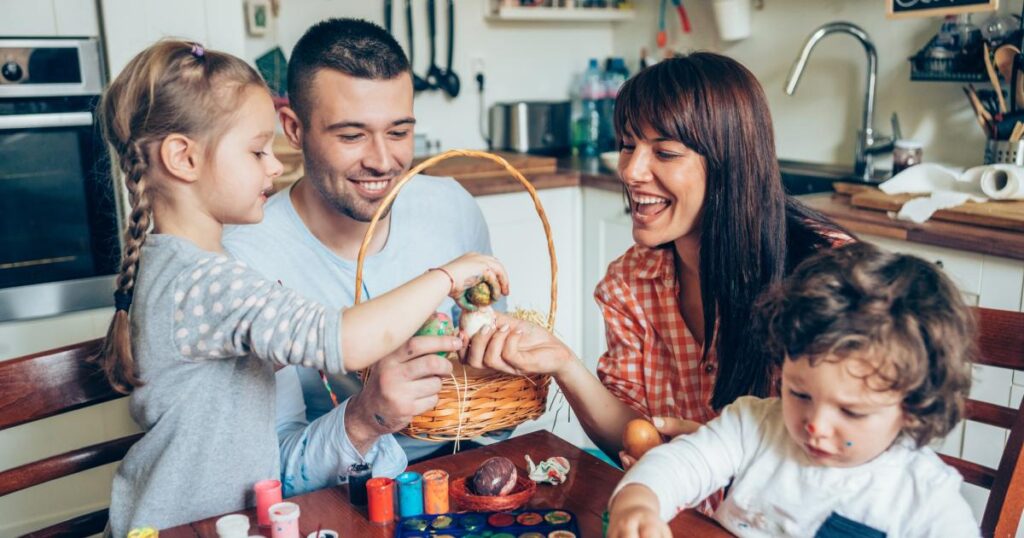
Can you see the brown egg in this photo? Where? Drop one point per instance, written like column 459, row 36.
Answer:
column 639, row 437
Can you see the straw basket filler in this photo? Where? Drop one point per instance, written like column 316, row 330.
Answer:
column 473, row 402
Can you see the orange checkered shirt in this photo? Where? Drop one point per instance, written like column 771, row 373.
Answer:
column 653, row 363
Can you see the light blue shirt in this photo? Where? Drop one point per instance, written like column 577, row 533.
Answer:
column 433, row 221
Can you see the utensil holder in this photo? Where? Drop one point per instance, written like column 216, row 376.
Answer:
column 1004, row 151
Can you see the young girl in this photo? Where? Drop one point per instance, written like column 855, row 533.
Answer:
column 192, row 130
column 877, row 351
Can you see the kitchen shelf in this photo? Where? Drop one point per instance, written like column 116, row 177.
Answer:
column 559, row 14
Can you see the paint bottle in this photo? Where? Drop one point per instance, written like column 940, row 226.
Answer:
column 380, row 492
column 268, row 493
column 410, row 494
column 284, row 520
column 357, row 476
column 435, row 492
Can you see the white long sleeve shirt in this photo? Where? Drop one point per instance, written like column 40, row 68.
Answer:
column 777, row 490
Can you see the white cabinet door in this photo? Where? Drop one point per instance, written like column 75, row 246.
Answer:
column 23, row 18
column 518, row 240
column 132, row 25
column 607, row 234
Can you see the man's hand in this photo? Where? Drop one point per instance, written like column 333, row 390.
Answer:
column 669, row 428
column 399, row 387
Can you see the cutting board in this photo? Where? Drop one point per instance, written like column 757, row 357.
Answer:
column 476, row 168
column 1003, row 214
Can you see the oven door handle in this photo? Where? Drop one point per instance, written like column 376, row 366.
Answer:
column 44, row 121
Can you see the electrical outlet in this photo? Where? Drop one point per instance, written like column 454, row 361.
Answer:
column 476, row 64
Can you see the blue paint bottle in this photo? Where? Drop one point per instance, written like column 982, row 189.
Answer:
column 410, row 494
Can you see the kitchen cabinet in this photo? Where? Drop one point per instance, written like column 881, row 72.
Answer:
column 990, row 282
column 48, row 18
column 517, row 239
column 132, row 25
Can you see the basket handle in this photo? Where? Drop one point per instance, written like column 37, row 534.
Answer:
column 434, row 160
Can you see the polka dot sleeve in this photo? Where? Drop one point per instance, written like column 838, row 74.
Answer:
column 224, row 309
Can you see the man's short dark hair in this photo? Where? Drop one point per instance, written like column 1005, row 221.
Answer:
column 354, row 47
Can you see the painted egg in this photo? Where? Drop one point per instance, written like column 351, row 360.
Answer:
column 496, row 476
column 639, row 437
column 438, row 324
column 472, row 322
column 480, row 295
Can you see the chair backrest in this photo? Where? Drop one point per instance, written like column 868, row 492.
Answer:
column 1001, row 343
column 49, row 383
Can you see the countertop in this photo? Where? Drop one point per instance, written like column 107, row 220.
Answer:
column 992, row 241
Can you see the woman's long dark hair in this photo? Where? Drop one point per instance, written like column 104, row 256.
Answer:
column 752, row 233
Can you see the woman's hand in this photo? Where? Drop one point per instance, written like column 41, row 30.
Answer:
column 469, row 270
column 634, row 514
column 669, row 428
column 517, row 347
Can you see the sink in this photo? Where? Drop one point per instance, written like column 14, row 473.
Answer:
column 799, row 177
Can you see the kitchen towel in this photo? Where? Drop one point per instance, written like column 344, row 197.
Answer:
column 947, row 187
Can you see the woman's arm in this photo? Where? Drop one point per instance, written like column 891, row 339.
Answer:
column 519, row 347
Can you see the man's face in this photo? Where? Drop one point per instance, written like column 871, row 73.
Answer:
column 359, row 139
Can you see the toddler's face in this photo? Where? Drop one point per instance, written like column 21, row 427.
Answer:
column 834, row 414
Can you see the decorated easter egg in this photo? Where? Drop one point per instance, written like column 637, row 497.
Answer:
column 438, row 324
column 496, row 476
column 480, row 295
column 639, row 437
column 472, row 322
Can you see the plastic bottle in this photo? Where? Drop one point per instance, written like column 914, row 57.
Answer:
column 615, row 75
column 587, row 125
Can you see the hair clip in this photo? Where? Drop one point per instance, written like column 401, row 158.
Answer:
column 197, row 50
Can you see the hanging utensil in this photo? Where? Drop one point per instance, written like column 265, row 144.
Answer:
column 993, row 78
column 434, row 72
column 684, row 20
column 418, row 84
column 449, row 81
column 662, row 35
column 980, row 114
column 387, row 15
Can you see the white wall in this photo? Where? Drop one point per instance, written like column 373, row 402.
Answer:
column 521, row 60
column 820, row 121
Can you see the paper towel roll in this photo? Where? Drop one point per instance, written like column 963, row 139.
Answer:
column 1003, row 182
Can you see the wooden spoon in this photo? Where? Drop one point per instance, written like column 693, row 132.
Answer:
column 1003, row 58
column 994, row 79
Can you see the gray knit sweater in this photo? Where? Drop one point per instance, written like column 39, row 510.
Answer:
column 207, row 332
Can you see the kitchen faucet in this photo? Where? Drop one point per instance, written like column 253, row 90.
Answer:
column 869, row 142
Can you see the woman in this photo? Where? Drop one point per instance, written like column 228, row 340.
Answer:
column 713, row 228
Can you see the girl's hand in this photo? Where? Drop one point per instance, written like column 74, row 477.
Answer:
column 517, row 347
column 637, row 522
column 469, row 270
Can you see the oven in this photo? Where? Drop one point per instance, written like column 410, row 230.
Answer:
column 59, row 247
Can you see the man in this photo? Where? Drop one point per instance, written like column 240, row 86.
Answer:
column 351, row 113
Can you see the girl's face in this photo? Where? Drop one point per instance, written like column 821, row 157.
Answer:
column 834, row 415
column 244, row 166
column 666, row 182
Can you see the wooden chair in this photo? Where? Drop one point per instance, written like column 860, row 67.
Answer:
column 46, row 384
column 1001, row 342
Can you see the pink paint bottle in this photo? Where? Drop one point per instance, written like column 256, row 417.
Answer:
column 284, row 520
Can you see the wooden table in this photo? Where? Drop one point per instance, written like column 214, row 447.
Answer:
column 586, row 493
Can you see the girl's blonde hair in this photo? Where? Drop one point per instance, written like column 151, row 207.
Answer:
column 171, row 87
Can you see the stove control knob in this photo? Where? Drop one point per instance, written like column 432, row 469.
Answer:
column 11, row 71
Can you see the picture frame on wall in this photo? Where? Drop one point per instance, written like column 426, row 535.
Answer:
column 898, row 9
column 257, row 17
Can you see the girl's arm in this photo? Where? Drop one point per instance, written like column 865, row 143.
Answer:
column 371, row 330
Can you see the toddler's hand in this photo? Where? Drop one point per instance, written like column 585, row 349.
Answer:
column 637, row 522
column 469, row 270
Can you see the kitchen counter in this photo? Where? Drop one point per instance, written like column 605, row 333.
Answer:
column 569, row 173
column 964, row 237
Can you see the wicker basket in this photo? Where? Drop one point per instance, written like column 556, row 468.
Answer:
column 466, row 500
column 473, row 402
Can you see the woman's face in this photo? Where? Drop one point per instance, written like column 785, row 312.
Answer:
column 667, row 182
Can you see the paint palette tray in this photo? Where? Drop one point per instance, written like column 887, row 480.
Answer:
column 527, row 523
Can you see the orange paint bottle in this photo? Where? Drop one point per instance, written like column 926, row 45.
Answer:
column 435, row 491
